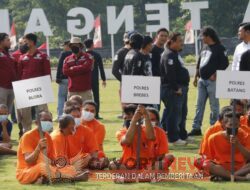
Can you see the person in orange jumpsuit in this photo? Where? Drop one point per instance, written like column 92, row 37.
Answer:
column 160, row 145
column 81, row 142
column 88, row 120
column 219, row 151
column 35, row 167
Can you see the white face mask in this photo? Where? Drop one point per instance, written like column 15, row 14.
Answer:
column 153, row 123
column 77, row 121
column 3, row 118
column 87, row 116
column 47, row 126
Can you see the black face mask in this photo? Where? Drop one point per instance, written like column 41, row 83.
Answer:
column 230, row 131
column 24, row 48
column 75, row 49
column 6, row 49
column 127, row 123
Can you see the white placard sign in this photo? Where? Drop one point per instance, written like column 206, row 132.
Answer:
column 233, row 84
column 33, row 92
column 140, row 89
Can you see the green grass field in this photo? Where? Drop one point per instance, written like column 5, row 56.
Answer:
column 110, row 108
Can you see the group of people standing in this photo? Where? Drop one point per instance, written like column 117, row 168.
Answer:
column 161, row 57
column 77, row 145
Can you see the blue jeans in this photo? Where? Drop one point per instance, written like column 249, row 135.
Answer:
column 62, row 96
column 175, row 113
column 206, row 90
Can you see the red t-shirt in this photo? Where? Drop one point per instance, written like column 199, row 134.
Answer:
column 79, row 72
column 8, row 69
column 36, row 65
column 17, row 54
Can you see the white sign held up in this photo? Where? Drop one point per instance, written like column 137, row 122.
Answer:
column 33, row 92
column 140, row 89
column 233, row 84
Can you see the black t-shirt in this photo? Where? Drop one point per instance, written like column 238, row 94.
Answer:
column 156, row 59
column 118, row 63
column 136, row 63
column 98, row 65
column 245, row 61
column 212, row 58
column 173, row 72
column 147, row 65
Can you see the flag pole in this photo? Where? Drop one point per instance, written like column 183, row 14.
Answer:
column 112, row 47
column 196, row 44
column 47, row 46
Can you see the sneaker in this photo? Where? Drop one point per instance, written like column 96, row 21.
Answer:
column 195, row 132
column 180, row 142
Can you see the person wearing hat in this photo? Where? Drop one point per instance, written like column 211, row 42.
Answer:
column 134, row 63
column 244, row 35
column 61, row 79
column 78, row 68
column 98, row 66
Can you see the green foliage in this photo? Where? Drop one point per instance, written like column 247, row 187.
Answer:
column 190, row 59
column 53, row 61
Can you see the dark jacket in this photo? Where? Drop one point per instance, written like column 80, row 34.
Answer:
column 156, row 59
column 136, row 63
column 98, row 65
column 59, row 72
column 212, row 58
column 173, row 72
column 245, row 61
column 118, row 63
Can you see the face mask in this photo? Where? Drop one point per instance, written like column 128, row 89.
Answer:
column 127, row 123
column 87, row 116
column 47, row 126
column 24, row 48
column 6, row 49
column 77, row 121
column 75, row 49
column 230, row 131
column 3, row 118
column 153, row 123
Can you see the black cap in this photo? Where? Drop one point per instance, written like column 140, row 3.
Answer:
column 136, row 41
column 146, row 40
column 243, row 24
